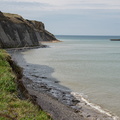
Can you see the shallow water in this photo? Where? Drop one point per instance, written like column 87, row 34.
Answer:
column 85, row 64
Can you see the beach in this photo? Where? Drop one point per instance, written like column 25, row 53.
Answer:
column 59, row 101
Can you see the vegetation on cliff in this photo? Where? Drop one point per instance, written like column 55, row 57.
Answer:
column 11, row 107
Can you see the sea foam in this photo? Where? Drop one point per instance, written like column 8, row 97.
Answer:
column 80, row 97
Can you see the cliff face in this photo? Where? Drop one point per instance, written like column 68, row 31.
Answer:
column 18, row 32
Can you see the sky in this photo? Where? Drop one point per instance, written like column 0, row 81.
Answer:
column 70, row 17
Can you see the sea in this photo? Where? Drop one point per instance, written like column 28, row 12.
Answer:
column 88, row 65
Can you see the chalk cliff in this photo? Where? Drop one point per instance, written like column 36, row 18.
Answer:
column 15, row 31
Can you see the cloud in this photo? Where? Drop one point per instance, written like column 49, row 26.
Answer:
column 26, row 4
column 71, row 4
column 75, row 16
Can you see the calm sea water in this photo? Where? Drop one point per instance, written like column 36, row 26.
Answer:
column 85, row 64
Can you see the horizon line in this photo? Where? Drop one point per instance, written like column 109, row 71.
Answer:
column 83, row 35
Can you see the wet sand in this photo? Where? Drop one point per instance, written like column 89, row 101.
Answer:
column 60, row 102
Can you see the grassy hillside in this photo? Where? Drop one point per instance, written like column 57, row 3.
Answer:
column 11, row 107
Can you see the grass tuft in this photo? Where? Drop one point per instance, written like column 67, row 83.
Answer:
column 11, row 107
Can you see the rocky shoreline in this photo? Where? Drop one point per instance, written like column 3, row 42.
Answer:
column 57, row 100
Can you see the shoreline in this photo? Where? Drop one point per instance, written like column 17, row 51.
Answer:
column 26, row 48
column 38, row 83
column 52, row 41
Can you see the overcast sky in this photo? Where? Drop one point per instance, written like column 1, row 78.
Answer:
column 70, row 17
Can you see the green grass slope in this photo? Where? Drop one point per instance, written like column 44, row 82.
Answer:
column 11, row 107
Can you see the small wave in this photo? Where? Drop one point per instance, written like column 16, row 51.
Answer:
column 93, row 106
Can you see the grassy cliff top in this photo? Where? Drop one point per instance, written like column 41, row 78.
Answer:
column 14, row 17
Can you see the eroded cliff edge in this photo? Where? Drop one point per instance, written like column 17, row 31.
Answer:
column 15, row 31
